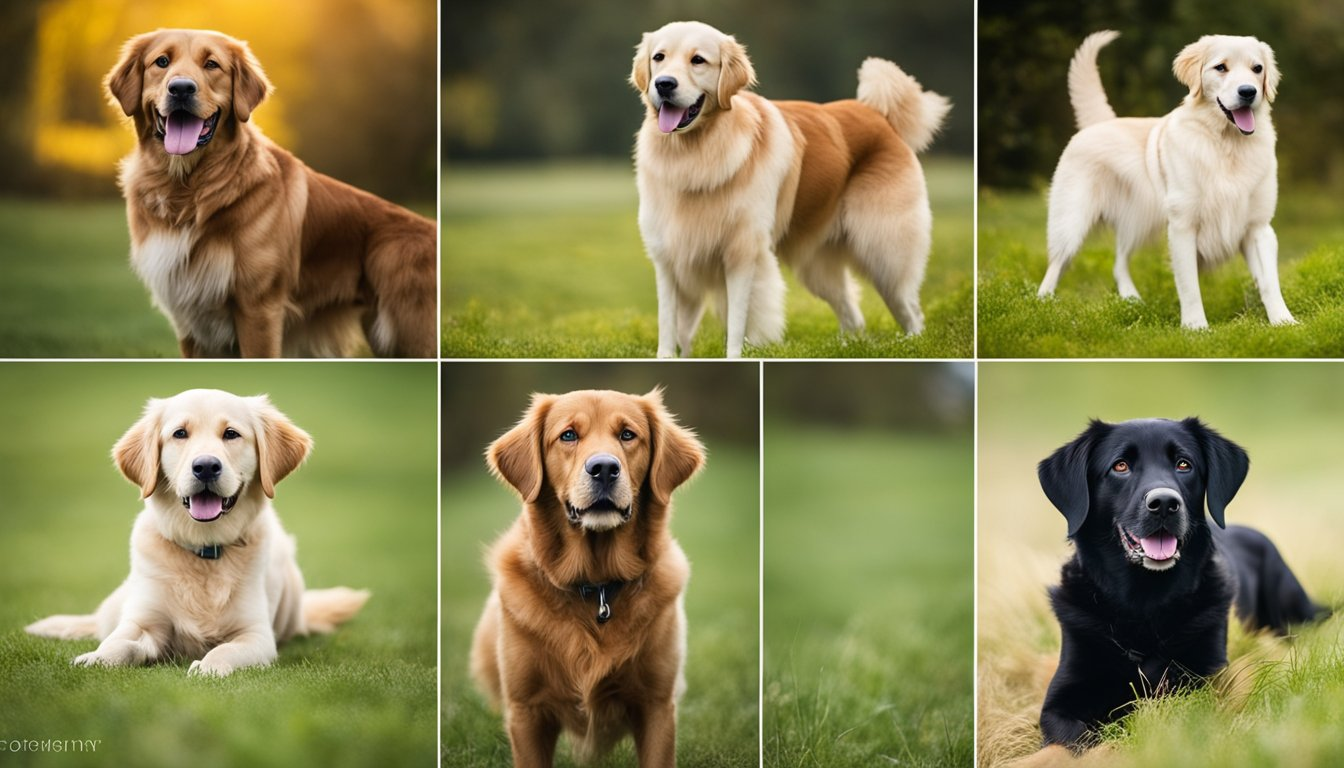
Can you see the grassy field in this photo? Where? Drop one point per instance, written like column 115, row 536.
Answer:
column 716, row 521
column 868, row 598
column 363, row 512
column 1280, row 702
column 66, row 285
column 547, row 262
column 1087, row 318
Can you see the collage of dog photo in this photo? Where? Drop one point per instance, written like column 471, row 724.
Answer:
column 475, row 385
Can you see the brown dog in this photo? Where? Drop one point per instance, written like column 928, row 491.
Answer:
column 585, row 629
column 247, row 250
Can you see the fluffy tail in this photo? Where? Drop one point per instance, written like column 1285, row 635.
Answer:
column 65, row 627
column 324, row 609
column 1085, row 89
column 915, row 113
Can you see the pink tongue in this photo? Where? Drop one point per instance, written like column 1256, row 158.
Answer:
column 1159, row 547
column 207, row 506
column 181, row 131
column 1245, row 119
column 669, row 117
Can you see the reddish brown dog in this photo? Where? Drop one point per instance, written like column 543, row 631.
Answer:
column 248, row 251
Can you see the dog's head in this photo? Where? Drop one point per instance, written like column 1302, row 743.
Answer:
column 205, row 459
column 182, row 86
column 1137, row 490
column 596, row 457
column 1236, row 76
column 686, row 71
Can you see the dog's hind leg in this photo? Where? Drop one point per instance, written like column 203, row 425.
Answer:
column 823, row 272
column 689, row 311
column 892, row 249
column 1071, row 218
column 1261, row 248
column 1126, row 242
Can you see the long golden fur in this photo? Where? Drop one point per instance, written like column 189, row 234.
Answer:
column 596, row 471
column 213, row 574
column 731, row 183
column 247, row 250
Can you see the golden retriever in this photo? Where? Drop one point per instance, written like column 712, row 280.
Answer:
column 213, row 575
column 1205, row 172
column 585, row 630
column 729, row 182
column 247, row 250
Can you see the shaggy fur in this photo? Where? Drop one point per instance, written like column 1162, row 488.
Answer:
column 221, row 455
column 540, row 649
column 247, row 250
column 731, row 183
column 1206, row 172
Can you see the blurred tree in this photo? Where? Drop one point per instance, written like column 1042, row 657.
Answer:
column 902, row 396
column 18, row 38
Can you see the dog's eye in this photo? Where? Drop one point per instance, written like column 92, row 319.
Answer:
column 1257, row 69
column 1183, row 466
column 1219, row 67
column 627, row 435
column 569, row 436
column 211, row 64
column 179, row 434
column 658, row 57
column 161, row 62
column 697, row 59
column 231, row 434
column 1121, row 467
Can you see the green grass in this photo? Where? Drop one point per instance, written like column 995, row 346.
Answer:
column 362, row 510
column 68, row 289
column 547, row 262
column 868, row 598
column 1087, row 318
column 716, row 522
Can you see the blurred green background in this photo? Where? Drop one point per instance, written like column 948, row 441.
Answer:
column 362, row 510
column 354, row 98
column 1287, row 415
column 869, row 514
column 541, row 249
column 716, row 519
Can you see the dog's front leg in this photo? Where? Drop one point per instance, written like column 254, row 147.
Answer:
column 133, row 643
column 259, row 329
column 532, row 736
column 1181, row 241
column 667, row 309
column 741, row 277
column 254, row 647
column 655, row 732
column 1261, row 248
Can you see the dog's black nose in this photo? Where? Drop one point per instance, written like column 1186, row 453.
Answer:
column 1246, row 92
column 665, row 84
column 1162, row 501
column 206, row 468
column 603, row 467
column 181, row 86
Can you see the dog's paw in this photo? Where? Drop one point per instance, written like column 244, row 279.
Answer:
column 209, row 668
column 1285, row 320
column 95, row 659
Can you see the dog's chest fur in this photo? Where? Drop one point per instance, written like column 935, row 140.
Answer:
column 190, row 281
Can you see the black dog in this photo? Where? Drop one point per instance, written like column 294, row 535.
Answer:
column 1143, row 603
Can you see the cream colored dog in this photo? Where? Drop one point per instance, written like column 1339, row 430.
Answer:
column 213, row 575
column 1206, row 171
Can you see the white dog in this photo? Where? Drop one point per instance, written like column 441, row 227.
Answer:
column 1206, row 171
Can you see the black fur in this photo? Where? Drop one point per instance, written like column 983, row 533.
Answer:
column 1126, row 490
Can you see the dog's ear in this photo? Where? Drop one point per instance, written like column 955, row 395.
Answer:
column 735, row 72
column 1271, row 73
column 250, row 85
column 677, row 453
column 1063, row 476
column 515, row 457
column 281, row 446
column 126, row 82
column 137, row 452
column 1189, row 66
column 639, row 71
column 1227, row 467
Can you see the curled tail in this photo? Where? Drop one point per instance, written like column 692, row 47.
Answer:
column 324, row 609
column 915, row 113
column 1086, row 92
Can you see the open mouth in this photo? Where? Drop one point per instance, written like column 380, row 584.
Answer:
column 1242, row 117
column 182, row 132
column 1156, row 552
column 205, row 506
column 601, row 506
column 673, row 118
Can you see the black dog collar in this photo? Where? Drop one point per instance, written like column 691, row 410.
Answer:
column 605, row 592
column 209, row 551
